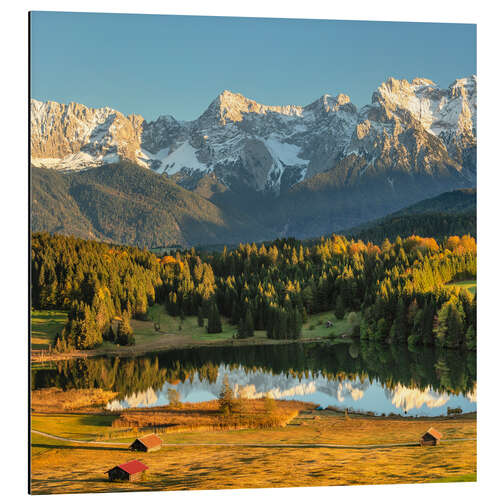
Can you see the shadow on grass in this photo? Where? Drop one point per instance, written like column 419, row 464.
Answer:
column 97, row 419
column 151, row 482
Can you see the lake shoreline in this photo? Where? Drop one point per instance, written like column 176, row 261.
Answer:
column 94, row 401
column 141, row 350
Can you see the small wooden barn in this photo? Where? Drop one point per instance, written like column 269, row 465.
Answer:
column 151, row 442
column 130, row 471
column 431, row 437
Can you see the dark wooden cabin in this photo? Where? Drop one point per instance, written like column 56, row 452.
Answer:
column 431, row 437
column 151, row 442
column 130, row 471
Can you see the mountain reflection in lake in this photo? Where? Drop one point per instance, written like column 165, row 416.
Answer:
column 381, row 379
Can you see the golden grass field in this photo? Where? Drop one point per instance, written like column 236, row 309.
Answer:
column 56, row 400
column 63, row 467
column 251, row 413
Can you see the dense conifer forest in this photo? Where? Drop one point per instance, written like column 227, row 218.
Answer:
column 398, row 288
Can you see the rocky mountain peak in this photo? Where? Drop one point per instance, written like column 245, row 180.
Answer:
column 343, row 99
column 80, row 135
column 442, row 112
column 233, row 107
column 422, row 82
column 399, row 93
column 464, row 87
column 329, row 104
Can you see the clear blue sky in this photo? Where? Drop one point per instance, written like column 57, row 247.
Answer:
column 152, row 65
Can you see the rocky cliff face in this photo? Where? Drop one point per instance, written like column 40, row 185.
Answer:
column 446, row 114
column 72, row 136
column 410, row 130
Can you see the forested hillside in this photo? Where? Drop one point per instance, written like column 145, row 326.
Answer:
column 127, row 204
column 398, row 288
column 452, row 213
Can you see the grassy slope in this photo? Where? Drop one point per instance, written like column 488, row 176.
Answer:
column 470, row 286
column 46, row 324
column 318, row 322
column 63, row 467
column 144, row 330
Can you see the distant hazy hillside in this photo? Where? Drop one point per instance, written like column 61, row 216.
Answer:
column 127, row 204
column 452, row 213
column 453, row 202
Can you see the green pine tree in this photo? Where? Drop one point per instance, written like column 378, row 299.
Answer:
column 454, row 325
column 339, row 307
column 470, row 338
column 201, row 320
column 249, row 326
column 125, row 334
column 214, row 324
column 227, row 401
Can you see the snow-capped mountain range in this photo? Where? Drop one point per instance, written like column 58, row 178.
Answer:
column 410, row 128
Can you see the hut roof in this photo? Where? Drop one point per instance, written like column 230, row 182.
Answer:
column 434, row 433
column 150, row 441
column 131, row 467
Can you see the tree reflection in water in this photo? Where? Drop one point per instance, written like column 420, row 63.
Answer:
column 408, row 377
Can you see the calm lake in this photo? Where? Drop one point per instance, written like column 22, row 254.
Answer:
column 381, row 379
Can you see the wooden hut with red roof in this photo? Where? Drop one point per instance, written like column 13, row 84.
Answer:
column 151, row 442
column 130, row 471
column 431, row 437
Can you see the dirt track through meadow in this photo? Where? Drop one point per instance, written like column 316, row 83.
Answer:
column 257, row 445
